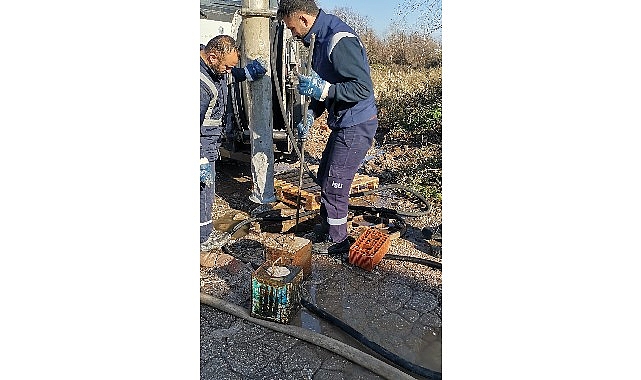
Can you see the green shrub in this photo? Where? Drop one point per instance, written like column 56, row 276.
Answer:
column 409, row 103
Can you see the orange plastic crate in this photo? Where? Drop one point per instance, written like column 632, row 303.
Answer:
column 369, row 248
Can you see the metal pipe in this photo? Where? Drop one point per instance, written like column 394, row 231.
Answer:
column 305, row 107
column 255, row 43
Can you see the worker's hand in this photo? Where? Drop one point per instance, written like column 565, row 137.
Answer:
column 303, row 130
column 206, row 175
column 313, row 86
column 254, row 70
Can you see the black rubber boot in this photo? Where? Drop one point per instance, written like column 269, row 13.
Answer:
column 334, row 249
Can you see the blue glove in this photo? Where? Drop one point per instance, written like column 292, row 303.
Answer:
column 206, row 175
column 254, row 70
column 313, row 86
column 317, row 80
column 303, row 130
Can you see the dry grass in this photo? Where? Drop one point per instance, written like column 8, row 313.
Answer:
column 396, row 81
column 409, row 103
column 408, row 148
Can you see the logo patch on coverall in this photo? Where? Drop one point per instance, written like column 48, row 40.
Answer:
column 337, row 185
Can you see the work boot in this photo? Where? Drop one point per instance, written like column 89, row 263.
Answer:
column 215, row 241
column 333, row 249
column 262, row 208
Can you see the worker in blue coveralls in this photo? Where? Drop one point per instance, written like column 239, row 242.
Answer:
column 340, row 83
column 218, row 59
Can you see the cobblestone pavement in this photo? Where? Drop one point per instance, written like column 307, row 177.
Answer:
column 234, row 349
column 397, row 305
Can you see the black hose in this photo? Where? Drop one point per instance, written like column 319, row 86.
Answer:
column 392, row 211
column 226, row 250
column 417, row 260
column 422, row 371
column 275, row 76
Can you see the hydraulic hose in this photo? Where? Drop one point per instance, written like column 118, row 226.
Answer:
column 350, row 353
column 392, row 211
column 275, row 76
column 417, row 260
column 422, row 371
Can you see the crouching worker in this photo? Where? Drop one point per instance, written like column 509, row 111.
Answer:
column 218, row 59
column 340, row 83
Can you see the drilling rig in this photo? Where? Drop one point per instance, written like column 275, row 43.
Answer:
column 261, row 114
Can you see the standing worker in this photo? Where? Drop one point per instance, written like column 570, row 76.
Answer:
column 217, row 60
column 340, row 83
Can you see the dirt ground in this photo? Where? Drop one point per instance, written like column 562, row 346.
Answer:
column 405, row 284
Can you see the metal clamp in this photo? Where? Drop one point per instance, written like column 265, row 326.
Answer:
column 248, row 12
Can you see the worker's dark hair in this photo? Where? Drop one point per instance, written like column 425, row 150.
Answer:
column 221, row 45
column 289, row 7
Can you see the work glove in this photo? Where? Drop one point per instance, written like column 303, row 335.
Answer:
column 313, row 86
column 206, row 175
column 255, row 70
column 303, row 130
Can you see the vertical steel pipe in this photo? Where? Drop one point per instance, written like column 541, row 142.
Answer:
column 255, row 43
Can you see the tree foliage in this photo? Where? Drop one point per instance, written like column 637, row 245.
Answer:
column 401, row 46
column 360, row 23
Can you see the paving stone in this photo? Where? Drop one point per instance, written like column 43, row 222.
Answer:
column 278, row 342
column 356, row 372
column 218, row 335
column 422, row 302
column 334, row 363
column 300, row 357
column 324, row 374
column 253, row 359
column 393, row 295
column 301, row 374
column 431, row 320
column 217, row 369
column 212, row 318
column 249, row 332
column 408, row 314
column 395, row 324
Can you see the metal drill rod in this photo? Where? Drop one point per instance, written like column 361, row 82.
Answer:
column 305, row 106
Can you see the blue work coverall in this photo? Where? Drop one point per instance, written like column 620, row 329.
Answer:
column 340, row 59
column 213, row 97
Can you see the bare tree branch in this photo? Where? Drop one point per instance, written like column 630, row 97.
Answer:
column 428, row 20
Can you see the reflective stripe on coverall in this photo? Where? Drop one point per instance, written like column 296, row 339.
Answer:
column 210, row 132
